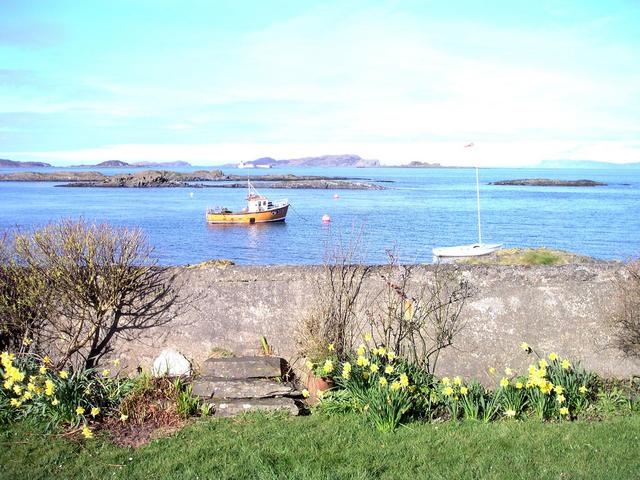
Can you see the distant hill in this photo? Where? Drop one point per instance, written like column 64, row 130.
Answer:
column 121, row 164
column 585, row 164
column 322, row 161
column 4, row 163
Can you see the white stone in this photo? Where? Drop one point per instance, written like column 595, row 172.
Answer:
column 171, row 363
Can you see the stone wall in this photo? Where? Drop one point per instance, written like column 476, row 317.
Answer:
column 563, row 309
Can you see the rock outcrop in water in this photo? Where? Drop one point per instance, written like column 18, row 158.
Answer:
column 169, row 179
column 546, row 182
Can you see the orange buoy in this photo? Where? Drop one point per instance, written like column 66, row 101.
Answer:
column 326, row 218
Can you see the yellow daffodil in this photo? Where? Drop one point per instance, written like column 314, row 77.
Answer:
column 17, row 389
column 106, row 372
column 42, row 370
column 383, row 381
column 396, row 386
column 445, row 381
column 31, row 387
column 362, row 361
column 63, row 374
column 564, row 411
column 525, row 346
column 492, row 370
column 361, row 350
column 331, row 347
column 464, row 390
column 560, row 398
column 309, row 365
column 510, row 413
column 49, row 388
column 391, row 356
column 55, row 402
column 504, row 382
column 305, row 393
column 123, row 417
column 26, row 341
column 558, row 389
column 46, row 360
column 565, row 364
column 508, row 372
column 542, row 363
column 553, row 356
column 86, row 432
column 95, row 411
column 116, row 362
column 346, row 371
column 27, row 395
column 382, row 351
column 404, row 380
column 583, row 389
column 374, row 351
column 519, row 385
column 388, row 369
column 15, row 402
column 8, row 384
column 457, row 381
column 368, row 337
column 447, row 391
column 374, row 368
column 80, row 410
column 327, row 368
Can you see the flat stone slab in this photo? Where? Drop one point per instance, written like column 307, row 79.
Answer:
column 243, row 367
column 229, row 408
column 239, row 388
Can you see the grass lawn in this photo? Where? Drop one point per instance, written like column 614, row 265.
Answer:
column 266, row 447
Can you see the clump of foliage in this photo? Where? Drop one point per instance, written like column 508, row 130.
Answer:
column 34, row 390
column 76, row 287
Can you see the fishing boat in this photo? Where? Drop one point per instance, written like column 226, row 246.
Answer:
column 259, row 209
column 475, row 249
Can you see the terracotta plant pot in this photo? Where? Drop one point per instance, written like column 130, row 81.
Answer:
column 316, row 385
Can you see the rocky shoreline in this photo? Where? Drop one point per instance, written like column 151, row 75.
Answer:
column 169, row 179
column 548, row 182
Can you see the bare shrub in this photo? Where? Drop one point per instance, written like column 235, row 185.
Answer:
column 419, row 317
column 24, row 300
column 626, row 320
column 336, row 318
column 104, row 284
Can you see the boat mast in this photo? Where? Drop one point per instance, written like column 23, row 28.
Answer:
column 478, row 203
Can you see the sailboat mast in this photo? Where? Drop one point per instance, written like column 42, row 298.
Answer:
column 478, row 203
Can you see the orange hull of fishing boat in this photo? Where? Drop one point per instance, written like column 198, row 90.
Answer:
column 272, row 215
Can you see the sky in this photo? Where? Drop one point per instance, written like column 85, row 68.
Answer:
column 219, row 81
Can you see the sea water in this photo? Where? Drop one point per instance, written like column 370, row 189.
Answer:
column 419, row 209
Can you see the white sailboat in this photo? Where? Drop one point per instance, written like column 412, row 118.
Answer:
column 474, row 249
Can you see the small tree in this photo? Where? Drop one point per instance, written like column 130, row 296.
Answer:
column 626, row 320
column 104, row 284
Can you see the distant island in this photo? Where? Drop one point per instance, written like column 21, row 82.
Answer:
column 346, row 160
column 416, row 164
column 547, row 182
column 170, row 179
column 4, row 163
column 121, row 164
column 585, row 164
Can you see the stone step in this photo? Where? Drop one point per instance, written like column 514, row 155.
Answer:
column 229, row 408
column 208, row 387
column 243, row 367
